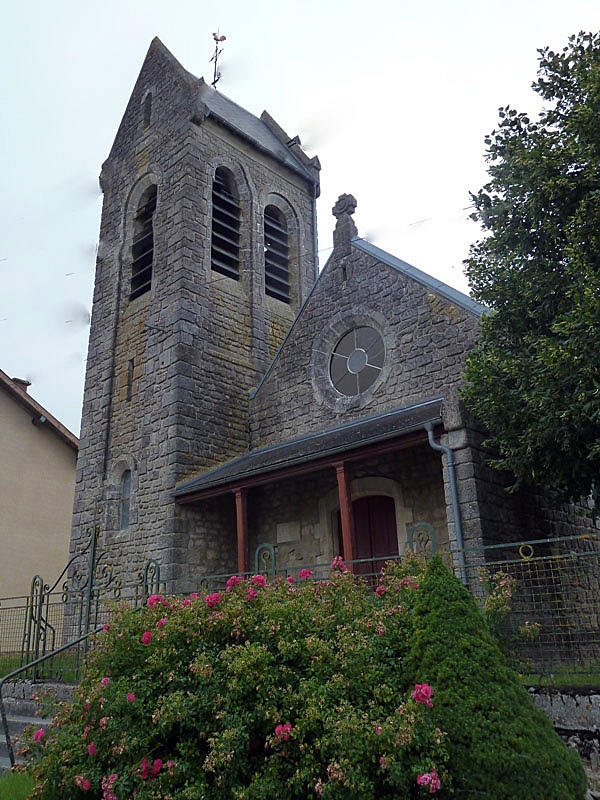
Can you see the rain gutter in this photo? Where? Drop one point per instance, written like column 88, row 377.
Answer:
column 442, row 448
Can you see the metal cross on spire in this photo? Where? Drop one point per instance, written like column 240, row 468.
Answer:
column 218, row 50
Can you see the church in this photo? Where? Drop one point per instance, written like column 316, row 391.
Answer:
column 243, row 410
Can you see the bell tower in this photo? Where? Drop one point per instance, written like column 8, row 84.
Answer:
column 207, row 251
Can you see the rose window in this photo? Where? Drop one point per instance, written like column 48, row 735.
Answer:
column 356, row 361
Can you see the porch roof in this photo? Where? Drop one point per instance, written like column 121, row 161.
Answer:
column 313, row 451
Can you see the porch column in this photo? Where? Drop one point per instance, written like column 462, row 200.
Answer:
column 346, row 513
column 242, row 530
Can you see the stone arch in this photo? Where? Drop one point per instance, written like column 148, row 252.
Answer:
column 292, row 221
column 245, row 196
column 125, row 463
column 134, row 199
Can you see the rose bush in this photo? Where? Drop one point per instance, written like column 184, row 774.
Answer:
column 296, row 690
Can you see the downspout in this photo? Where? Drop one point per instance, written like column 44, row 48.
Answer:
column 442, row 448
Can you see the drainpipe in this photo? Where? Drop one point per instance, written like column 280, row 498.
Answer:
column 442, row 448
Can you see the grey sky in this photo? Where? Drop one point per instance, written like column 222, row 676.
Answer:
column 394, row 97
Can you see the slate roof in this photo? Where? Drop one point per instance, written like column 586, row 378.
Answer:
column 31, row 406
column 245, row 124
column 441, row 288
column 314, row 446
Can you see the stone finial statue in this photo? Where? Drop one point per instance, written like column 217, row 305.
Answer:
column 345, row 229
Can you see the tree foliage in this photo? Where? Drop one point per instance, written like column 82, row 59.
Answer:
column 534, row 379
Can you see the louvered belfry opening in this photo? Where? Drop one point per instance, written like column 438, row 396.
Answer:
column 225, row 244
column 142, row 249
column 277, row 273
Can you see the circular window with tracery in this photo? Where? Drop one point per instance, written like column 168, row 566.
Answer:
column 356, row 361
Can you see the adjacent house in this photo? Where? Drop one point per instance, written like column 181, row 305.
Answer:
column 37, row 483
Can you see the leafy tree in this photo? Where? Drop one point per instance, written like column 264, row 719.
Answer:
column 534, row 379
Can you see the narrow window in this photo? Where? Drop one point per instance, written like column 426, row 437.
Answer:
column 130, row 367
column 147, row 110
column 225, row 244
column 142, row 249
column 277, row 273
column 125, row 500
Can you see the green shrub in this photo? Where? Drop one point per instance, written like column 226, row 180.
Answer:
column 301, row 691
column 500, row 745
column 276, row 691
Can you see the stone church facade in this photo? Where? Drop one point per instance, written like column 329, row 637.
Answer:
column 239, row 404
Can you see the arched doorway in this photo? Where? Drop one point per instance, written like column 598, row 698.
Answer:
column 376, row 536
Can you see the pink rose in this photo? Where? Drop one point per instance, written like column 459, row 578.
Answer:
column 409, row 581
column 162, row 621
column 378, row 730
column 233, row 581
column 154, row 599
column 156, row 766
column 383, row 762
column 380, row 590
column 423, row 693
column 130, row 697
column 82, row 783
column 103, row 723
column 304, row 574
column 212, row 600
column 194, row 596
column 282, row 732
column 92, row 749
column 186, row 603
column 259, row 580
column 290, row 579
column 106, row 626
column 338, row 563
column 38, row 736
column 252, row 593
column 146, row 637
column 430, row 779
column 105, row 681
column 144, row 769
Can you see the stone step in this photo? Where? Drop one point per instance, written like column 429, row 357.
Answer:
column 21, row 707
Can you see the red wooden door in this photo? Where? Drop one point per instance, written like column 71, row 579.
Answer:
column 376, row 535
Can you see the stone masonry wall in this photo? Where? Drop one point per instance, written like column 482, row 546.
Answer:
column 194, row 343
column 426, row 340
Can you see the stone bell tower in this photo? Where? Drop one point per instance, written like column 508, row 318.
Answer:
column 207, row 251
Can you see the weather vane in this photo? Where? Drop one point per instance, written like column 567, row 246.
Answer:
column 218, row 50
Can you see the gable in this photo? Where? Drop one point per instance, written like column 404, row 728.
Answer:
column 166, row 98
column 161, row 101
column 426, row 329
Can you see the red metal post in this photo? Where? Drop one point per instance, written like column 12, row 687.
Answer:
column 346, row 514
column 242, row 530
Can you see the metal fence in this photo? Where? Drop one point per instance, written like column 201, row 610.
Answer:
column 552, row 627
column 35, row 625
column 544, row 596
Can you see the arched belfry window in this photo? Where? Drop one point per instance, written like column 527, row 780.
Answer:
column 225, row 243
column 142, row 248
column 277, row 271
column 124, row 500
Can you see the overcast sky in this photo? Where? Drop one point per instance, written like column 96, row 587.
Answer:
column 395, row 98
